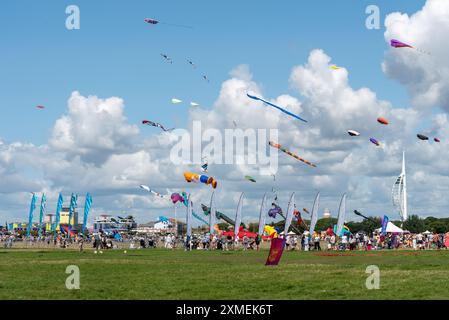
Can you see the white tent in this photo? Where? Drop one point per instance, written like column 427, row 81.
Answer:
column 391, row 228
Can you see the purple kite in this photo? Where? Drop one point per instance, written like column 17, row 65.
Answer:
column 374, row 141
column 398, row 44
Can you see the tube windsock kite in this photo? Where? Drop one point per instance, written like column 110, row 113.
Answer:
column 193, row 177
column 314, row 217
column 238, row 217
column 278, row 146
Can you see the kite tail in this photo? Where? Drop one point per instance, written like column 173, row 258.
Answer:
column 201, row 219
column 176, row 25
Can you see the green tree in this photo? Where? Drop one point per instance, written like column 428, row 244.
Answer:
column 414, row 224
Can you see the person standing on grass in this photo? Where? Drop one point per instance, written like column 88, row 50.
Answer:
column 316, row 241
column 332, row 241
column 257, row 241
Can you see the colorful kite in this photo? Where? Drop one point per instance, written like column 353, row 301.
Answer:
column 275, row 210
column 40, row 107
column 334, row 67
column 193, row 177
column 270, row 231
column 249, row 178
column 277, row 107
column 374, row 141
column 353, row 133
column 147, row 188
column 398, row 44
column 382, row 120
column 278, row 146
column 155, row 124
column 436, row 140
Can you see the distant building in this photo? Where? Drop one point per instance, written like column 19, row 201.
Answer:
column 156, row 227
column 110, row 224
column 64, row 217
column 326, row 214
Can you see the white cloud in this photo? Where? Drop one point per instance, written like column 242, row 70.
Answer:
column 425, row 75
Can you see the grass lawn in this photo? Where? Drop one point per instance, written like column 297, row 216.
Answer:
column 164, row 274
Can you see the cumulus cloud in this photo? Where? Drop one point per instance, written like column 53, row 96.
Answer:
column 426, row 75
column 94, row 148
column 93, row 129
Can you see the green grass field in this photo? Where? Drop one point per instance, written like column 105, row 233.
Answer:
column 164, row 274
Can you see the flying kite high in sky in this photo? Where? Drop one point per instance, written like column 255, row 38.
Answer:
column 154, row 22
column 353, row 133
column 374, row 141
column 422, row 137
column 436, row 140
column 175, row 101
column 155, row 124
column 278, row 146
column 191, row 63
column 382, row 120
column 249, row 178
column 193, row 177
column 150, row 21
column 167, row 58
column 144, row 187
column 205, row 78
column 399, row 44
column 277, row 107
column 40, row 107
column 334, row 67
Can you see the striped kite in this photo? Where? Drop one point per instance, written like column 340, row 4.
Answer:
column 278, row 146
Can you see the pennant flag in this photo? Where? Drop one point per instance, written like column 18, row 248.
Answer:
column 289, row 216
column 277, row 247
column 73, row 200
column 212, row 214
column 87, row 206
column 238, row 217
column 189, row 218
column 58, row 212
column 41, row 214
column 30, row 216
column 314, row 218
column 262, row 216
column 341, row 214
column 384, row 225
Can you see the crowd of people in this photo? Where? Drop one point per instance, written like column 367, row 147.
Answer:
column 303, row 242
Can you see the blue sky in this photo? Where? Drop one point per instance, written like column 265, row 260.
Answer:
column 116, row 54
